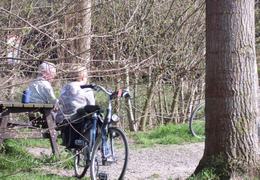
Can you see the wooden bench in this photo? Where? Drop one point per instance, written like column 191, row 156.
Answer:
column 6, row 132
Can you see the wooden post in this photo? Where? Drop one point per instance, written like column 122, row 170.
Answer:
column 53, row 133
column 3, row 125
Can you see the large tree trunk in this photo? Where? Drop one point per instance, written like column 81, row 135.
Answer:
column 231, row 89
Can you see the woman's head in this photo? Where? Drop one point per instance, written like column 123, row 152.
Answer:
column 79, row 73
column 47, row 70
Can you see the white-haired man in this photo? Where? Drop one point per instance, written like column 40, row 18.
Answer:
column 40, row 89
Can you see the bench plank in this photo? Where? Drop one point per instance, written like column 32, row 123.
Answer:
column 18, row 134
column 16, row 107
column 21, row 105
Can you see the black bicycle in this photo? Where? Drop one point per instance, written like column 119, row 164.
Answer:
column 102, row 146
column 197, row 121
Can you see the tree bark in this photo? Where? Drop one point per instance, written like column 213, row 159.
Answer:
column 161, row 108
column 231, row 89
column 148, row 102
column 85, row 21
column 175, row 103
column 130, row 114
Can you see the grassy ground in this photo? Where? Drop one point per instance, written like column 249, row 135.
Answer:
column 17, row 163
column 169, row 134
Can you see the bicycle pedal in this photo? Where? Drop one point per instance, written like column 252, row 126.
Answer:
column 108, row 161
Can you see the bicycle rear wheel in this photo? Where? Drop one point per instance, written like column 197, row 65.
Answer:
column 82, row 155
column 81, row 162
column 114, row 166
column 197, row 121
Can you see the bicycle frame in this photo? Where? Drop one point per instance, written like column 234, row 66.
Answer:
column 107, row 120
column 99, row 137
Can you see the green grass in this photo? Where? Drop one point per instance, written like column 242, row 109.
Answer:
column 44, row 143
column 20, row 175
column 207, row 174
column 199, row 128
column 14, row 157
column 17, row 163
column 166, row 134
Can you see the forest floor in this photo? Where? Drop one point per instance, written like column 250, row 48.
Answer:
column 156, row 162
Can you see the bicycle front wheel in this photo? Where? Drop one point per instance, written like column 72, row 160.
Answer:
column 114, row 165
column 197, row 121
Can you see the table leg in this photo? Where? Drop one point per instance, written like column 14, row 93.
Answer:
column 3, row 127
column 53, row 133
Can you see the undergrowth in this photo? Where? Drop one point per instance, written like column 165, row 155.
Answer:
column 165, row 134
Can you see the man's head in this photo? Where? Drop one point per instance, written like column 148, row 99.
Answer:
column 47, row 70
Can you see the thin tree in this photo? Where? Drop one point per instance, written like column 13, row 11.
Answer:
column 231, row 90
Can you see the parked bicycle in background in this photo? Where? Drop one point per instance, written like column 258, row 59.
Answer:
column 197, row 121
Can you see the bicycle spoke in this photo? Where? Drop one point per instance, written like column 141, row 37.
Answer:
column 112, row 167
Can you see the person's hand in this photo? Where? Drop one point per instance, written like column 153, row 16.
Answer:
column 56, row 107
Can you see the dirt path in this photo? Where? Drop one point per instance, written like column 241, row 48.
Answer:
column 158, row 162
column 164, row 162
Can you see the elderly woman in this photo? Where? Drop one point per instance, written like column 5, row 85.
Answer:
column 71, row 99
column 72, row 96
column 40, row 89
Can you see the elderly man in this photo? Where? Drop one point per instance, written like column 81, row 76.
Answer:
column 40, row 89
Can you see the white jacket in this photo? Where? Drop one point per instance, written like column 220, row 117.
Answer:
column 72, row 98
column 41, row 91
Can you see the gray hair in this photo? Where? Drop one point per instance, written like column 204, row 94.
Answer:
column 46, row 67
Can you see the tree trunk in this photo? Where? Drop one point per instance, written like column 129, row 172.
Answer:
column 231, row 90
column 85, row 21
column 147, row 105
column 175, row 103
column 146, row 108
column 166, row 108
column 130, row 114
column 161, row 108
column 189, row 106
column 182, row 102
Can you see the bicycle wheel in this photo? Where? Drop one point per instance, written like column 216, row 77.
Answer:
column 197, row 121
column 114, row 166
column 81, row 162
column 82, row 155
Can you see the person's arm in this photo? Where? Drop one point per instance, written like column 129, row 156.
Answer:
column 49, row 94
column 90, row 98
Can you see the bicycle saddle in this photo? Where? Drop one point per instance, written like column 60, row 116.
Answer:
column 88, row 109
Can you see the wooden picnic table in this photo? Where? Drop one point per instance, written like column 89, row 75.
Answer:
column 6, row 108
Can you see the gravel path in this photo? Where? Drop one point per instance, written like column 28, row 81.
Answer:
column 164, row 162
column 160, row 162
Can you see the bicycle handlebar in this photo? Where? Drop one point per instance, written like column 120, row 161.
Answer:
column 120, row 93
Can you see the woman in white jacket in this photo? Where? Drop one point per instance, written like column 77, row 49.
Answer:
column 72, row 96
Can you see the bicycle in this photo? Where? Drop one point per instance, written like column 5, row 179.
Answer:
column 102, row 145
column 197, row 121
